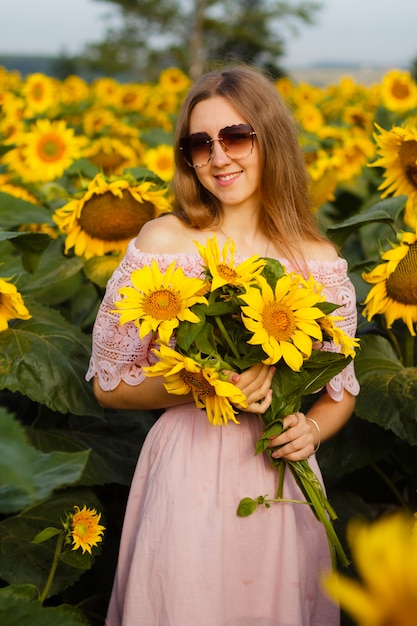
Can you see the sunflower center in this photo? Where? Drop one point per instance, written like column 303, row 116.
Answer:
column 226, row 272
column 110, row 218
column 197, row 383
column 51, row 148
column 278, row 321
column 401, row 285
column 38, row 91
column 408, row 160
column 400, row 90
column 163, row 304
column 81, row 529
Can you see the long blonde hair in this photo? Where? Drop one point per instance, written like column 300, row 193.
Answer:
column 286, row 210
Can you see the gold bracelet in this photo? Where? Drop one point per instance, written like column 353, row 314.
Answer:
column 310, row 419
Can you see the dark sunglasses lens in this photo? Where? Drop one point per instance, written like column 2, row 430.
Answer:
column 237, row 140
column 196, row 149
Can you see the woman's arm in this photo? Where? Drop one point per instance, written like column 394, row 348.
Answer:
column 149, row 394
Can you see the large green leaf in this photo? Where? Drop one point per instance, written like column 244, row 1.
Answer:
column 45, row 358
column 22, row 561
column 30, row 245
column 114, row 441
column 28, row 475
column 14, row 212
column 56, row 279
column 388, row 395
column 386, row 211
column 16, row 611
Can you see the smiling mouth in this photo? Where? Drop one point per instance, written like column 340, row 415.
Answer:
column 226, row 177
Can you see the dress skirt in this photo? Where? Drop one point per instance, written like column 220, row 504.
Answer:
column 187, row 559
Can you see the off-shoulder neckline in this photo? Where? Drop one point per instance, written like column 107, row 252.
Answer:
column 132, row 249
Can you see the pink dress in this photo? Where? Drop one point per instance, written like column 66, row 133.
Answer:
column 186, row 558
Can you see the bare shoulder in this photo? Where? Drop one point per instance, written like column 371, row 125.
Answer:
column 320, row 251
column 166, row 234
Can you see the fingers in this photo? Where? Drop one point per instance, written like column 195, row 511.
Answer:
column 296, row 442
column 255, row 383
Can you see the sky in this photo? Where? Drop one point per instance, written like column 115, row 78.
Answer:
column 364, row 32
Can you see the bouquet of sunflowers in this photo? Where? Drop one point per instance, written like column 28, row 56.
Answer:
column 235, row 316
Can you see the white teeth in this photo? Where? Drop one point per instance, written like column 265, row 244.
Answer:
column 228, row 176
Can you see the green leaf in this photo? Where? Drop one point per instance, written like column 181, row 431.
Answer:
column 46, row 534
column 246, row 507
column 30, row 245
column 27, row 475
column 273, row 271
column 386, row 211
column 75, row 558
column 56, row 279
column 45, row 358
column 388, row 395
column 15, row 212
column 100, row 268
column 114, row 442
column 14, row 610
column 83, row 167
column 25, row 592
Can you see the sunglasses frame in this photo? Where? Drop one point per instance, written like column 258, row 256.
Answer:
column 184, row 143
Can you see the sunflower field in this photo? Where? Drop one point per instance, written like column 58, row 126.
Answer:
column 82, row 167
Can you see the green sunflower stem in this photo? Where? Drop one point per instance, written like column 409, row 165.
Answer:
column 58, row 548
column 408, row 353
column 281, row 475
column 226, row 336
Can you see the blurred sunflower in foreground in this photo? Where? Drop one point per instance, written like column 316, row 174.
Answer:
column 385, row 556
column 394, row 293
column 398, row 156
column 109, row 214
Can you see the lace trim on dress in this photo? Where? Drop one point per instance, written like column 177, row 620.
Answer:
column 119, row 355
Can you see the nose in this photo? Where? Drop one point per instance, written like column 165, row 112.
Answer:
column 219, row 155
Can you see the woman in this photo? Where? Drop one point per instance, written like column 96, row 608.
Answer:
column 186, row 558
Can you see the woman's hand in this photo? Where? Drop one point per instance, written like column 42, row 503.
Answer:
column 298, row 439
column 255, row 383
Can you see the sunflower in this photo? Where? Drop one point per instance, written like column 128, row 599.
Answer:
column 158, row 302
column 385, row 555
column 11, row 304
column 174, row 80
column 184, row 375
column 338, row 336
column 223, row 270
column 283, row 321
column 40, row 93
column 394, row 293
column 111, row 155
column 74, row 89
column 161, row 161
column 49, row 148
column 398, row 156
column 134, row 97
column 109, row 214
column 7, row 186
column 310, row 118
column 85, row 529
column 399, row 91
column 106, row 91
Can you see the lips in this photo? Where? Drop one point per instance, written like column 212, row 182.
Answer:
column 225, row 178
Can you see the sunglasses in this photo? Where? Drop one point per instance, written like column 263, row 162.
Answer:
column 236, row 141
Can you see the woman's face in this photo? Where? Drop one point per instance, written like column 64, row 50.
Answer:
column 234, row 182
